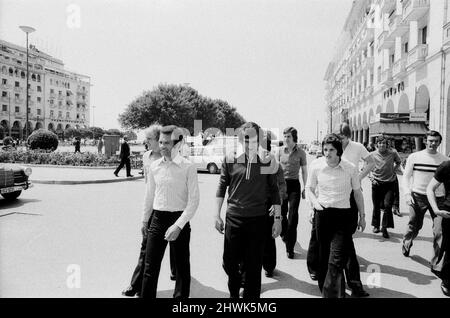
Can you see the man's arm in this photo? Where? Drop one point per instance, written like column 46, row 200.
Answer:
column 432, row 186
column 149, row 197
column 406, row 181
column 193, row 197
column 369, row 165
column 359, row 199
column 224, row 182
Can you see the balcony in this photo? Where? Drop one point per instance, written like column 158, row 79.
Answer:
column 52, row 95
column 417, row 55
column 6, row 86
column 387, row 6
column 368, row 91
column 18, row 89
column 413, row 10
column 397, row 27
column 446, row 35
column 367, row 36
column 386, row 77
column 399, row 68
column 384, row 42
column 18, row 100
column 368, row 63
column 5, row 99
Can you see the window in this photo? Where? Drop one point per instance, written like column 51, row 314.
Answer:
column 52, row 113
column 392, row 59
column 38, row 99
column 39, row 89
column 17, row 96
column 17, row 110
column 52, row 91
column 424, row 35
column 16, row 84
column 29, row 86
column 379, row 74
column 4, row 94
column 78, row 116
column 3, row 81
column 4, row 108
column 67, row 115
column 39, row 112
column 60, row 103
column 60, row 114
column 51, row 81
column 51, row 101
column 405, row 47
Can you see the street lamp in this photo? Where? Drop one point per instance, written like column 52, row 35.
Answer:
column 27, row 30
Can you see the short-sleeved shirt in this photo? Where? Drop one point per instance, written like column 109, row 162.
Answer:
column 333, row 185
column 384, row 165
column 355, row 152
column 291, row 161
column 442, row 175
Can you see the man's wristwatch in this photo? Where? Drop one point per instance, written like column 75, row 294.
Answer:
column 278, row 217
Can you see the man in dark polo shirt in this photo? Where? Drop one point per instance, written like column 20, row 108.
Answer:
column 442, row 175
column 292, row 159
column 249, row 180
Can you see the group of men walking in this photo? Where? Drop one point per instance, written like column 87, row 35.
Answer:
column 264, row 193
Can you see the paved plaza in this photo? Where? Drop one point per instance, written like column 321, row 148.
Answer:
column 83, row 241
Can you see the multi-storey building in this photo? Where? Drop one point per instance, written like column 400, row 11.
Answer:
column 58, row 99
column 390, row 73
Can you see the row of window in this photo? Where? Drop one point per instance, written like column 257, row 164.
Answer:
column 39, row 112
column 18, row 73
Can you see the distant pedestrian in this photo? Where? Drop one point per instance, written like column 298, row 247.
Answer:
column 442, row 209
column 100, row 146
column 77, row 145
column 124, row 158
column 330, row 183
column 419, row 171
column 171, row 200
column 383, row 178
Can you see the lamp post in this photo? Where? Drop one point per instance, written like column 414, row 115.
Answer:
column 27, row 30
column 9, row 112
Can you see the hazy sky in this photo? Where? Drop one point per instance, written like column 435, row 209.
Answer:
column 267, row 58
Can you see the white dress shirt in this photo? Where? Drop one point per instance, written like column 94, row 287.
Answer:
column 355, row 152
column 172, row 186
column 333, row 185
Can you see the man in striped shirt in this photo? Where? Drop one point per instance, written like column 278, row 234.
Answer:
column 419, row 170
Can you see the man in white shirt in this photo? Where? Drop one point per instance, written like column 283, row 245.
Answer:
column 171, row 199
column 419, row 171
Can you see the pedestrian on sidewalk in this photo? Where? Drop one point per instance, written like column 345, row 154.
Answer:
column 355, row 153
column 419, row 171
column 100, row 146
column 334, row 179
column 383, row 177
column 442, row 209
column 293, row 162
column 124, row 158
column 77, row 144
column 248, row 180
column 171, row 198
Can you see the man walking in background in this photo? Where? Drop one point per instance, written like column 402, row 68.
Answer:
column 293, row 160
column 124, row 158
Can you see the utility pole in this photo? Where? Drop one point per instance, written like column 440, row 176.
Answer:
column 317, row 131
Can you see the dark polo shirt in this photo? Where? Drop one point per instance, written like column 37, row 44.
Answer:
column 291, row 162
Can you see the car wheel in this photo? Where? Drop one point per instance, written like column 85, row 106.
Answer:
column 11, row 196
column 212, row 168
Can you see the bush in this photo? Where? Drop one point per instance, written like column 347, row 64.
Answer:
column 7, row 141
column 43, row 139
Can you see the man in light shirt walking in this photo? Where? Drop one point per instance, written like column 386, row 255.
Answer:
column 171, row 198
column 419, row 171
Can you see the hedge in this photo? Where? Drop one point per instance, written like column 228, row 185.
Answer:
column 57, row 158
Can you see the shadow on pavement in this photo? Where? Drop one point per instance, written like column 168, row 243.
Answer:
column 386, row 293
column 413, row 277
column 6, row 204
column 285, row 281
column 198, row 290
column 378, row 236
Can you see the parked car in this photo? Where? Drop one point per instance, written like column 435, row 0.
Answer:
column 313, row 149
column 205, row 159
column 13, row 180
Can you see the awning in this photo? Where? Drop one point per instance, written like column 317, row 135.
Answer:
column 398, row 129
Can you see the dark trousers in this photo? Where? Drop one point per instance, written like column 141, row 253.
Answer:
column 156, row 246
column 289, row 211
column 270, row 248
column 333, row 231
column 244, row 244
column 138, row 274
column 383, row 195
column 445, row 251
column 416, row 215
column 124, row 162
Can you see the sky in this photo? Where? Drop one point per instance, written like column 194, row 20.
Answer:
column 267, row 58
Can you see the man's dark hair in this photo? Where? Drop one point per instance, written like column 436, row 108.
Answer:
column 174, row 131
column 335, row 141
column 344, row 130
column 293, row 132
column 433, row 133
column 382, row 138
column 248, row 130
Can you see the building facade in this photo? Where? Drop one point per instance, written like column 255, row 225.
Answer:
column 390, row 73
column 58, row 99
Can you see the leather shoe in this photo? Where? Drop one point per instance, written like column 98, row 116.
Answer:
column 435, row 272
column 116, row 174
column 129, row 176
column 313, row 276
column 376, row 230
column 173, row 277
column 359, row 292
column 385, row 233
column 290, row 255
column 396, row 212
column 445, row 290
column 130, row 292
column 405, row 251
column 269, row 273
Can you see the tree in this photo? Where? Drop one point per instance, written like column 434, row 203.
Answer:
column 114, row 131
column 131, row 135
column 97, row 132
column 179, row 105
column 71, row 133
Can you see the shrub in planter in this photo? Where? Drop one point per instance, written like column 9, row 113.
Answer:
column 43, row 139
column 7, row 141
